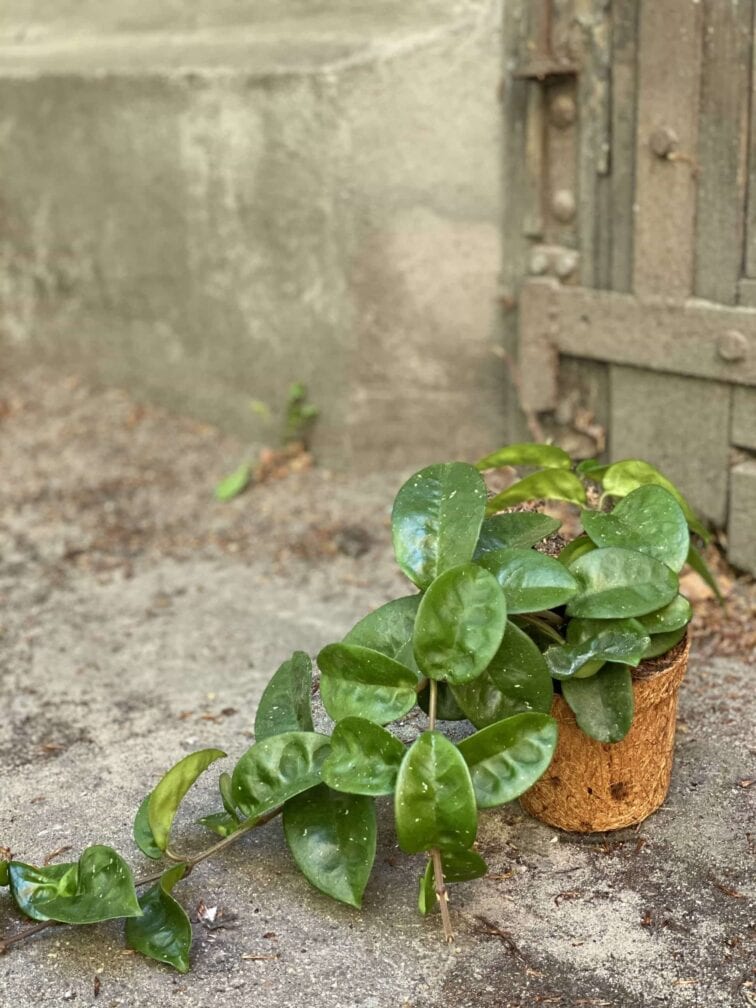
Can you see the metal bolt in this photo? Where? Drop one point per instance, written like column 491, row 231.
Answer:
column 566, row 264
column 732, row 346
column 562, row 111
column 539, row 262
column 563, row 205
column 663, row 141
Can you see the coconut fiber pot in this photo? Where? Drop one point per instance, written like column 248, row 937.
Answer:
column 594, row 786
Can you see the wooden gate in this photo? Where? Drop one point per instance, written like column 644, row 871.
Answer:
column 630, row 238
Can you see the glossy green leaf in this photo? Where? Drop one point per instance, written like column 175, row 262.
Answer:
column 234, row 484
column 96, row 888
column 447, row 708
column 603, row 704
column 516, row 530
column 530, row 581
column 591, row 468
column 508, row 757
column 276, row 769
column 434, row 804
column 459, row 625
column 671, row 617
column 516, row 680
column 389, row 629
column 459, row 865
column 4, row 876
column 580, row 630
column 221, row 823
column 286, row 703
column 539, row 629
column 225, row 786
column 609, row 646
column 527, row 454
column 364, row 758
column 436, row 520
column 163, row 932
column 697, row 562
column 660, row 643
column 649, row 520
column 164, row 801
column 359, row 682
column 143, row 837
column 577, row 548
column 616, row 583
column 621, row 478
column 551, row 484
column 332, row 838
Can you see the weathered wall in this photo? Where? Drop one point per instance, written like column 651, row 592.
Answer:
column 211, row 215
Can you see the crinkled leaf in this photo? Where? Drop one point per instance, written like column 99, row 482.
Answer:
column 577, row 548
column 526, row 454
column 516, row 680
column 530, row 581
column 164, row 801
column 660, row 643
column 434, row 804
column 508, row 757
column 550, row 484
column 364, row 758
column 436, row 520
column 143, row 837
column 332, row 838
column 234, row 484
column 603, row 705
column 286, row 701
column 359, row 682
column 274, row 770
column 459, row 625
column 572, row 659
column 616, row 583
column 222, row 823
column 388, row 629
column 163, row 932
column 517, row 530
column 459, row 865
column 96, row 888
column 697, row 562
column 621, row 478
column 671, row 617
column 447, row 708
column 649, row 520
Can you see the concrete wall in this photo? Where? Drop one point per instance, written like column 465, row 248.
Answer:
column 270, row 192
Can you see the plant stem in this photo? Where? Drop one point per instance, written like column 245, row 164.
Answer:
column 442, row 894
column 22, row 935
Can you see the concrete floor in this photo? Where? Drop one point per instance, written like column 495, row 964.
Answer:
column 135, row 610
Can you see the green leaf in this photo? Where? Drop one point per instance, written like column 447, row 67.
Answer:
column 538, row 629
column 98, row 887
column 286, row 701
column 545, row 455
column 551, row 484
column 332, row 838
column 276, row 769
column 616, row 583
column 364, row 758
column 671, row 617
column 164, row 801
column 517, row 530
column 621, row 478
column 530, row 581
column 459, row 625
column 4, row 876
column 143, row 837
column 697, row 562
column 660, row 643
column 508, row 757
column 225, row 786
column 221, row 823
column 163, row 932
column 234, row 484
column 359, row 682
column 516, row 680
column 592, row 469
column 459, row 865
column 649, row 520
column 447, row 708
column 587, row 658
column 577, row 548
column 434, row 804
column 388, row 629
column 603, row 704
column 436, row 520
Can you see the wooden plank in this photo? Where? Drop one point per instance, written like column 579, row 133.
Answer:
column 722, row 147
column 678, row 424
column 669, row 70
column 741, row 542
column 750, row 243
column 744, row 418
column 747, row 292
column 623, row 132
